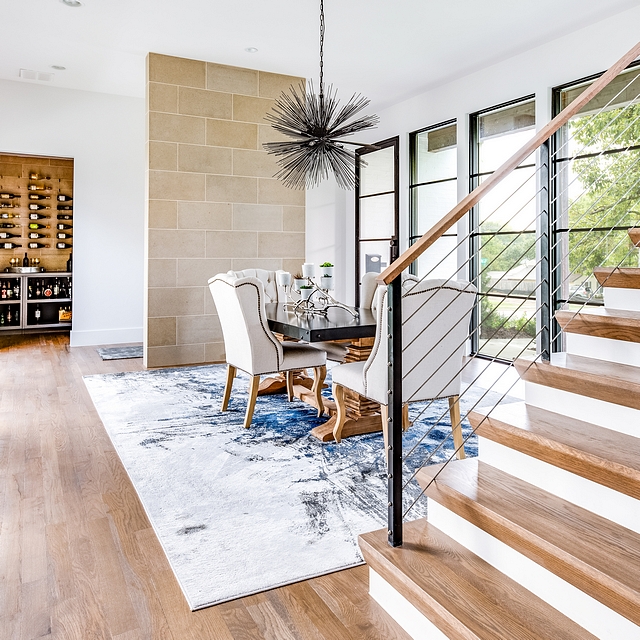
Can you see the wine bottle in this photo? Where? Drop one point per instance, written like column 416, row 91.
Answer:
column 47, row 290
column 37, row 216
column 35, row 187
column 8, row 215
column 8, row 196
column 63, row 198
column 6, row 225
column 63, row 245
column 33, row 235
column 37, row 196
column 35, row 225
column 25, row 261
column 37, row 313
column 38, row 289
column 35, row 176
column 65, row 207
column 62, row 226
column 70, row 268
column 60, row 235
column 2, row 319
column 34, row 207
column 37, row 245
column 3, row 290
column 9, row 316
column 16, row 289
column 9, row 245
column 4, row 234
column 56, row 288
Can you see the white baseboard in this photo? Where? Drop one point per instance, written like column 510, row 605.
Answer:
column 598, row 412
column 415, row 623
column 618, row 351
column 105, row 337
column 605, row 502
column 573, row 603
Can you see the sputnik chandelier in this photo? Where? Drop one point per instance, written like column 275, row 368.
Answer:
column 316, row 125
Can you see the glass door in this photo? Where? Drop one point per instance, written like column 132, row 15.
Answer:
column 377, row 208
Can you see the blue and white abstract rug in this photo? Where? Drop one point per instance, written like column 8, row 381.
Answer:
column 239, row 511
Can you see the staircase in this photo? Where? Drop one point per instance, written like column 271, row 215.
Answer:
column 538, row 537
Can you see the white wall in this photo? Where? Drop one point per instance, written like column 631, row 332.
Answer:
column 105, row 135
column 579, row 54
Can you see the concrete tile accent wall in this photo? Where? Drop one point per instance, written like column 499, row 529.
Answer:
column 213, row 204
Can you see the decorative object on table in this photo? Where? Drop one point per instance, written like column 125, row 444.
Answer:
column 298, row 281
column 308, row 270
column 251, row 346
column 238, row 512
column 327, row 269
column 305, row 291
column 326, row 282
column 435, row 326
column 317, row 125
column 117, row 353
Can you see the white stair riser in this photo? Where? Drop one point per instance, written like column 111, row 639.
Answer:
column 618, row 351
column 606, row 502
column 628, row 299
column 401, row 610
column 573, row 603
column 598, row 412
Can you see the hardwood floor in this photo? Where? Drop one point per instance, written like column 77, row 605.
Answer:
column 78, row 558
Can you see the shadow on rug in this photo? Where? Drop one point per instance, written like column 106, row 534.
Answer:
column 239, row 511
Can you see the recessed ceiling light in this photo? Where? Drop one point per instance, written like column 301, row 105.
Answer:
column 251, row 50
column 72, row 3
column 58, row 67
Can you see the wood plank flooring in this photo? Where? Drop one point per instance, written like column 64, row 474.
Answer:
column 78, row 558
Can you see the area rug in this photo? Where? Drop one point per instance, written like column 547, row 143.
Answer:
column 239, row 511
column 120, row 353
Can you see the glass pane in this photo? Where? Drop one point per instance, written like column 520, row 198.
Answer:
column 374, row 256
column 507, row 327
column 431, row 202
column 377, row 173
column 508, row 264
column 376, row 216
column 439, row 260
column 495, row 151
column 512, row 203
column 436, row 155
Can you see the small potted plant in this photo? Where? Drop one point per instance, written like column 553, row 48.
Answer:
column 327, row 269
column 305, row 291
column 299, row 281
column 326, row 282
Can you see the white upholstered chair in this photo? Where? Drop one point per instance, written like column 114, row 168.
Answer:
column 436, row 315
column 251, row 346
column 272, row 292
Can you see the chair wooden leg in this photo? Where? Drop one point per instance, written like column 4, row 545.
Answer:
column 456, row 426
column 231, row 374
column 384, row 413
column 289, row 375
column 319, row 374
column 253, row 394
column 341, row 413
column 406, row 423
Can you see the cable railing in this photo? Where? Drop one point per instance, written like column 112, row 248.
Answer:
column 546, row 280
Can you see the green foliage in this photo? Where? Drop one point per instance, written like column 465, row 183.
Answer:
column 326, row 264
column 503, row 252
column 610, row 189
column 494, row 325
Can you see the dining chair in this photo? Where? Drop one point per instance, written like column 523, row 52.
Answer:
column 436, row 316
column 250, row 344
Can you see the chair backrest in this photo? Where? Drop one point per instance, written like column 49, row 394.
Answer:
column 369, row 288
column 249, row 343
column 268, row 279
column 436, row 316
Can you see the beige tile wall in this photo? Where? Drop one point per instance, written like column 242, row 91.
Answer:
column 213, row 204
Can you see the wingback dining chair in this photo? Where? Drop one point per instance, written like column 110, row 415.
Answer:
column 436, row 315
column 251, row 346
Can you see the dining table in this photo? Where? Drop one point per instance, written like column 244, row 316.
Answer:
column 336, row 325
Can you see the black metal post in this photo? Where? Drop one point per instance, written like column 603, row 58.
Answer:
column 394, row 451
column 544, row 257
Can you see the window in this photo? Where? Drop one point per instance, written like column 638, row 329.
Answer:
column 377, row 208
column 433, row 193
column 595, row 189
column 503, row 233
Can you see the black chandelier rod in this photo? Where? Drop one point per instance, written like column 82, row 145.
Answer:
column 321, row 50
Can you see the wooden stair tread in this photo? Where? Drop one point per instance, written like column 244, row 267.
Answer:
column 464, row 596
column 616, row 324
column 558, row 535
column 634, row 234
column 604, row 456
column 608, row 381
column 618, row 277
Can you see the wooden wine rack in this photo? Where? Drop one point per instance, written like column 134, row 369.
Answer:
column 14, row 178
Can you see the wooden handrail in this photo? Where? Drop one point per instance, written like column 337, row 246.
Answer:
column 441, row 227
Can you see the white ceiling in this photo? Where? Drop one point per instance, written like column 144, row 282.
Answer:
column 386, row 49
